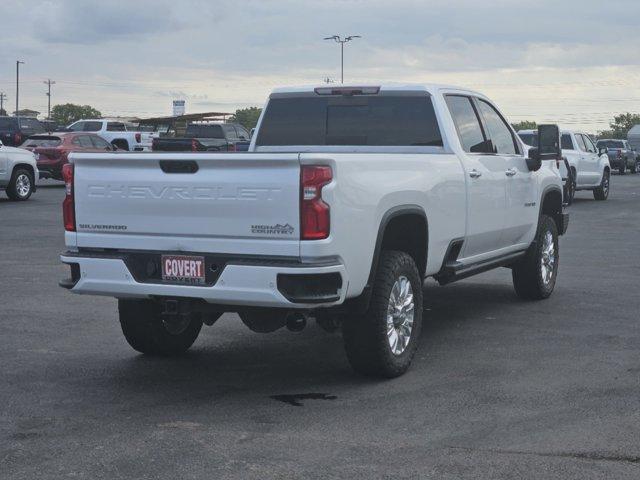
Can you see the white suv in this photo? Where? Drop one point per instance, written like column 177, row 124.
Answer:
column 18, row 172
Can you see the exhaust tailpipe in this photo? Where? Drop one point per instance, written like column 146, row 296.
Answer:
column 296, row 321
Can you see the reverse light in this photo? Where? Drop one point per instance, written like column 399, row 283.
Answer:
column 68, row 204
column 314, row 212
column 194, row 145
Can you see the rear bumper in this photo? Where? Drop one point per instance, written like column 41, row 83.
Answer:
column 239, row 284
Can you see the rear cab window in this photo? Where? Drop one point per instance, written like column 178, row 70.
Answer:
column 31, row 125
column 7, row 123
column 383, row 119
column 204, row 131
column 566, row 143
column 114, row 127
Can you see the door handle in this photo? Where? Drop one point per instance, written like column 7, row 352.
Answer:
column 511, row 172
column 475, row 173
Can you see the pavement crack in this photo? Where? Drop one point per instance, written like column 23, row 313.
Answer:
column 593, row 456
column 295, row 399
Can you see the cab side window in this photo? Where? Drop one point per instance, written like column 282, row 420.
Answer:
column 467, row 123
column 589, row 144
column 581, row 145
column 498, row 130
column 566, row 142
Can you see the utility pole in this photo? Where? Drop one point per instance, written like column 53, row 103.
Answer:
column 48, row 82
column 3, row 97
column 18, row 62
column 339, row 40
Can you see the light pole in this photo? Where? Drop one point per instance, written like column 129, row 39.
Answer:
column 341, row 41
column 18, row 62
column 48, row 83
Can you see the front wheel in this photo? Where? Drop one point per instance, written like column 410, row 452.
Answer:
column 20, row 186
column 570, row 188
column 534, row 276
column 147, row 332
column 602, row 191
column 382, row 341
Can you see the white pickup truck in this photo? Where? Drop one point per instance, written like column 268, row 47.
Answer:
column 347, row 200
column 116, row 133
column 587, row 167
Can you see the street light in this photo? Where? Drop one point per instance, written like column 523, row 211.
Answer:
column 18, row 62
column 339, row 40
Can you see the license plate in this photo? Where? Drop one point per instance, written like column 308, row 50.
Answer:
column 183, row 269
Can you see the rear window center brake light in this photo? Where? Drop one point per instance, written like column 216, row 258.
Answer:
column 347, row 91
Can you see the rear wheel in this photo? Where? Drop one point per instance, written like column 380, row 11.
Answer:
column 622, row 166
column 534, row 277
column 21, row 185
column 382, row 341
column 635, row 167
column 147, row 332
column 602, row 191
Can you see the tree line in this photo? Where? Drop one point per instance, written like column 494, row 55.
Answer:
column 618, row 127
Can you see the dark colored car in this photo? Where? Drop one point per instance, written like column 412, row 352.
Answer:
column 621, row 155
column 14, row 130
column 52, row 150
column 205, row 137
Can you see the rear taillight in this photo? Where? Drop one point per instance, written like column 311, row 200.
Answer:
column 231, row 147
column 68, row 204
column 17, row 138
column 619, row 153
column 154, row 144
column 314, row 213
column 194, row 145
column 138, row 137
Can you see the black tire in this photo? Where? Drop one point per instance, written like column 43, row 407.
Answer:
column 602, row 191
column 366, row 340
column 635, row 167
column 20, row 186
column 622, row 166
column 570, row 188
column 121, row 144
column 529, row 279
column 145, row 331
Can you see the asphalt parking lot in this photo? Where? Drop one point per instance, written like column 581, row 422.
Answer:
column 500, row 388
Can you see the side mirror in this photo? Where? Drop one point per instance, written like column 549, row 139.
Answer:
column 549, row 142
column 534, row 162
column 602, row 151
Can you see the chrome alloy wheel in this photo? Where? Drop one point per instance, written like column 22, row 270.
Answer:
column 23, row 185
column 548, row 261
column 400, row 313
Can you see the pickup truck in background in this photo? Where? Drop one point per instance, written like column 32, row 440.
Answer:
column 115, row 133
column 204, row 137
column 585, row 167
column 340, row 219
column 621, row 155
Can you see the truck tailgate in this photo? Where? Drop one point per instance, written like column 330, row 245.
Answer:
column 220, row 203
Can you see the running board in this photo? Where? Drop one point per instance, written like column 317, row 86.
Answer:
column 454, row 270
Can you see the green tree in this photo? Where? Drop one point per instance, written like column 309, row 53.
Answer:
column 67, row 113
column 621, row 125
column 525, row 125
column 247, row 117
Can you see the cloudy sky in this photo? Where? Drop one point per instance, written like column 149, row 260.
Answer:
column 572, row 62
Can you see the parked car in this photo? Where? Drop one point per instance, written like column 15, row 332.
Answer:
column 205, row 137
column 583, row 168
column 14, row 130
column 18, row 172
column 52, row 150
column 621, row 155
column 340, row 218
column 115, row 133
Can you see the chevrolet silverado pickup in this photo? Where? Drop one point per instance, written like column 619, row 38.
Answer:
column 348, row 198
